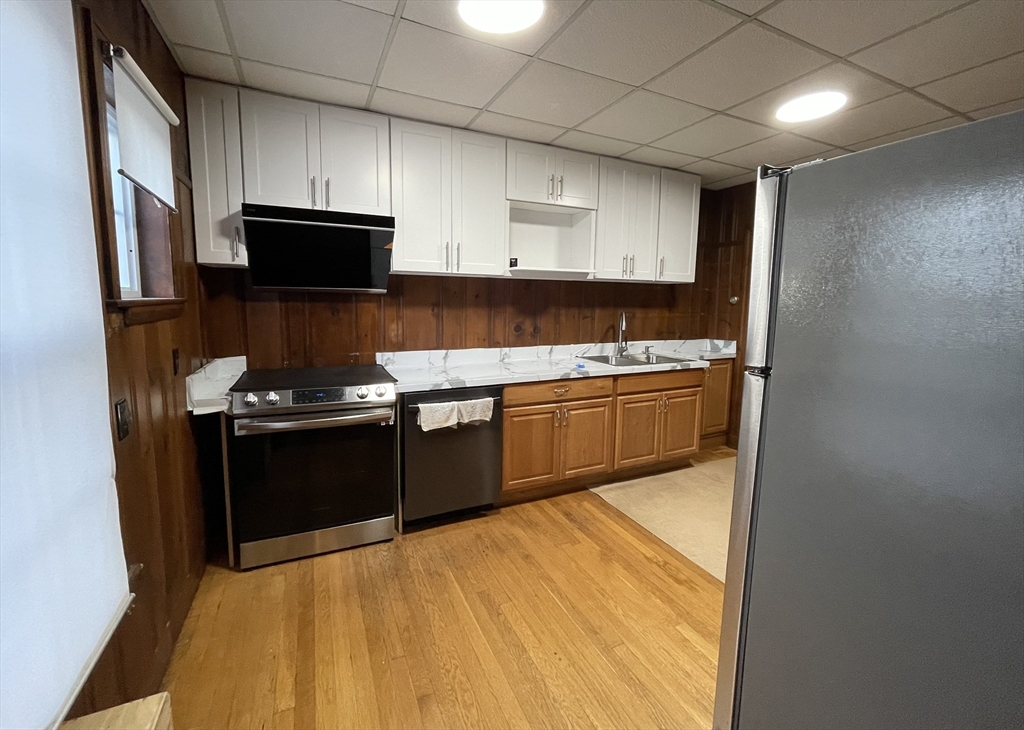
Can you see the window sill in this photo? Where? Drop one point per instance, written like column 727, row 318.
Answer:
column 148, row 309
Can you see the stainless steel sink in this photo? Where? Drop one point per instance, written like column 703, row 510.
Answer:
column 615, row 360
column 652, row 359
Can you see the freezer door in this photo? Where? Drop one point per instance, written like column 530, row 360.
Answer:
column 884, row 584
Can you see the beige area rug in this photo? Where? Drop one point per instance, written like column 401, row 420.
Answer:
column 689, row 509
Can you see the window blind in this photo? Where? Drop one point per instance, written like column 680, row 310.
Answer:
column 63, row 581
column 143, row 129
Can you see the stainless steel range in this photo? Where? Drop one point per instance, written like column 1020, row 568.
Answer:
column 309, row 462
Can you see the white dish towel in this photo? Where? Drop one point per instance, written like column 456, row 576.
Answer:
column 438, row 415
column 451, row 413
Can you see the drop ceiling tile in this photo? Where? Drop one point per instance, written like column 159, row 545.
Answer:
column 506, row 126
column 995, row 111
column 711, row 171
column 304, row 85
column 420, row 108
column 207, row 64
column 745, row 63
column 983, row 31
column 980, row 87
column 908, row 133
column 747, row 7
column 829, row 154
column 632, row 42
column 844, row 26
column 381, row 6
column 747, row 177
column 859, row 87
column 661, row 158
column 775, row 150
column 713, row 136
column 594, row 143
column 557, row 95
column 322, row 36
column 438, row 65
column 444, row 15
column 191, row 23
column 885, row 116
column 643, row 116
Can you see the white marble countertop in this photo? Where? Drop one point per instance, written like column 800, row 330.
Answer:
column 206, row 390
column 422, row 370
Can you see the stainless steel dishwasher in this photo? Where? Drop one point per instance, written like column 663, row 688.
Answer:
column 449, row 469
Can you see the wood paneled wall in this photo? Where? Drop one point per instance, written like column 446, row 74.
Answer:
column 158, row 487
column 278, row 329
column 723, row 273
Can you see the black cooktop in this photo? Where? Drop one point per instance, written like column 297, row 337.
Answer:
column 294, row 378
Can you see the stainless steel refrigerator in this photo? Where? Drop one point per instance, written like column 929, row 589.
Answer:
column 876, row 559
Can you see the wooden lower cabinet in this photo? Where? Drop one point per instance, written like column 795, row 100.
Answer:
column 549, row 443
column 637, row 429
column 680, row 417
column 717, row 392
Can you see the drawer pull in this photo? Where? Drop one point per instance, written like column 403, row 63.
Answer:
column 562, row 391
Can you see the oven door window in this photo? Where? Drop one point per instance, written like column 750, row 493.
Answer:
column 289, row 482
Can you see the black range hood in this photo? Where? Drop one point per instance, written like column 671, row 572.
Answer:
column 321, row 250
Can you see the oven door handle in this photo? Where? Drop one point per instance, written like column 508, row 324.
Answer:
column 253, row 426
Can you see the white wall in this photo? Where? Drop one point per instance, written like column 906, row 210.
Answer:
column 62, row 570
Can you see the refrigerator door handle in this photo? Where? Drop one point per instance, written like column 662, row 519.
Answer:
column 768, row 207
column 744, row 514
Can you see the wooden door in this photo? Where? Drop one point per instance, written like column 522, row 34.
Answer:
column 355, row 160
column 680, row 430
column 576, row 175
column 479, row 208
column 280, row 150
column 530, row 172
column 421, row 180
column 216, row 154
column 637, row 429
column 586, row 438
column 717, row 391
column 643, row 245
column 531, row 446
column 618, row 188
column 677, row 227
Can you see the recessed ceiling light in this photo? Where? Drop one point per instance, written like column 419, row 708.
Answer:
column 811, row 106
column 501, row 16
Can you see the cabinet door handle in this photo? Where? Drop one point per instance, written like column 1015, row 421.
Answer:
column 559, row 187
column 632, row 265
column 447, row 256
column 565, row 415
column 558, row 417
column 661, row 271
column 659, row 405
column 458, row 256
column 624, row 260
column 666, row 405
column 327, row 193
column 312, row 189
column 234, row 244
column 551, row 186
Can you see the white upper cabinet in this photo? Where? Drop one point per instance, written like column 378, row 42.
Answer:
column 677, row 229
column 537, row 173
column 216, row 154
column 530, row 172
column 576, row 175
column 479, row 208
column 355, row 161
column 627, row 221
column 281, row 150
column 421, row 180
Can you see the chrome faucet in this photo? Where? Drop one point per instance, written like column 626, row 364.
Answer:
column 622, row 343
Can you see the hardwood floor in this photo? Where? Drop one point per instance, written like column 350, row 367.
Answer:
column 556, row 613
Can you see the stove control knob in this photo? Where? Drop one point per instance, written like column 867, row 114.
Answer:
column 362, row 392
column 273, row 398
column 251, row 400
column 380, row 391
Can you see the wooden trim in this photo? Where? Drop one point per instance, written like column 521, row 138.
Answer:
column 710, row 442
column 169, row 309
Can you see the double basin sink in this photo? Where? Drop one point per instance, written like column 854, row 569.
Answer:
column 646, row 358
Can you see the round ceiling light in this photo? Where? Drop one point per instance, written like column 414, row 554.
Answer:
column 811, row 106
column 501, row 16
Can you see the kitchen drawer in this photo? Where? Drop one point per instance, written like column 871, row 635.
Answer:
column 556, row 391
column 672, row 380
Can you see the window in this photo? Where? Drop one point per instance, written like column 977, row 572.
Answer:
column 124, row 215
